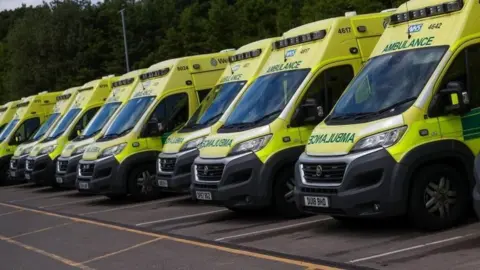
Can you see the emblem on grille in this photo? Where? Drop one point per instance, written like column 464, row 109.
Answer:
column 205, row 170
column 319, row 170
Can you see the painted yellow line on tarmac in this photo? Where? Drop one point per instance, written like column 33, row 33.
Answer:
column 184, row 241
column 45, row 253
column 121, row 251
column 41, row 230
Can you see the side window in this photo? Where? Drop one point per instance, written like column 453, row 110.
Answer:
column 202, row 94
column 26, row 130
column 464, row 69
column 328, row 86
column 83, row 122
column 172, row 112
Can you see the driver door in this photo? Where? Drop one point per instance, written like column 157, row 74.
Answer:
column 326, row 88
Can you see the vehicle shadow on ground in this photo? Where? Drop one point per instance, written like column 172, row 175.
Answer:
column 105, row 201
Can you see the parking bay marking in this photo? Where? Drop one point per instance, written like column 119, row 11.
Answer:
column 67, row 203
column 182, row 217
column 44, row 197
column 410, row 248
column 198, row 243
column 273, row 229
column 135, row 205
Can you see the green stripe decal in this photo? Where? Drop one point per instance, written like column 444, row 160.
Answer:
column 471, row 125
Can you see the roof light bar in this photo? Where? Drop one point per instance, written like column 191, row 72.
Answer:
column 430, row 11
column 64, row 97
column 85, row 89
column 23, row 104
column 299, row 39
column 154, row 74
column 123, row 82
column 245, row 55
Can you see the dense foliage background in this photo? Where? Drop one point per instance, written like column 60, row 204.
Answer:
column 66, row 43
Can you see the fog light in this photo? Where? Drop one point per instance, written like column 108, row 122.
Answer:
column 376, row 207
column 247, row 199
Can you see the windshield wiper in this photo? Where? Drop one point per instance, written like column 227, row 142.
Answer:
column 349, row 115
column 116, row 135
column 389, row 108
column 267, row 116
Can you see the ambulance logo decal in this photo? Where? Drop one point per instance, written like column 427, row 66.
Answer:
column 290, row 53
column 236, row 67
column 213, row 62
column 415, row 28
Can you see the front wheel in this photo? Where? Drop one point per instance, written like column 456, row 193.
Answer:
column 439, row 198
column 284, row 200
column 140, row 183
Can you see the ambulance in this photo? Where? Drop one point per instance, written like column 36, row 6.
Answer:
column 122, row 161
column 17, row 162
column 66, row 168
column 180, row 150
column 30, row 113
column 40, row 164
column 248, row 163
column 7, row 111
column 402, row 138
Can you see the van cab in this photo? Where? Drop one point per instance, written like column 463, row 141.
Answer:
column 180, row 150
column 402, row 138
column 7, row 111
column 66, row 168
column 249, row 162
column 30, row 113
column 40, row 164
column 122, row 161
column 17, row 162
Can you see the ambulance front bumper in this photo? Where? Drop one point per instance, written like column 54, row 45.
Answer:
column 17, row 168
column 364, row 184
column 40, row 170
column 66, row 171
column 174, row 171
column 99, row 177
column 237, row 181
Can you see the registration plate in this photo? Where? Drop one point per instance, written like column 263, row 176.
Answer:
column 315, row 201
column 59, row 180
column 27, row 176
column 162, row 183
column 204, row 195
column 83, row 185
column 13, row 174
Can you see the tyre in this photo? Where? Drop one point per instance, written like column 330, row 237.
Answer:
column 283, row 199
column 439, row 198
column 4, row 175
column 140, row 184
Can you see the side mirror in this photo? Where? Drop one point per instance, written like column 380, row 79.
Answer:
column 18, row 138
column 309, row 113
column 154, row 128
column 453, row 99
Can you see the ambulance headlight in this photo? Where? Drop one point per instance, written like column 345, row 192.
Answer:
column 79, row 150
column 253, row 145
column 113, row 151
column 48, row 149
column 384, row 139
column 192, row 144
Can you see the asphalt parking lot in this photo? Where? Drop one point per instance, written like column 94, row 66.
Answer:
column 48, row 229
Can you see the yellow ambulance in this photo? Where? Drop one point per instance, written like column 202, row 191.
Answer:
column 249, row 162
column 40, row 164
column 180, row 149
column 66, row 168
column 402, row 138
column 122, row 161
column 30, row 113
column 17, row 162
column 7, row 111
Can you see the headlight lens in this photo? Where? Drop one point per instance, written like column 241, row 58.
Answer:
column 26, row 151
column 48, row 149
column 253, row 145
column 112, row 151
column 192, row 144
column 79, row 150
column 384, row 139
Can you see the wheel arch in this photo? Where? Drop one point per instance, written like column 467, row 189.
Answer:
column 452, row 152
column 142, row 158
